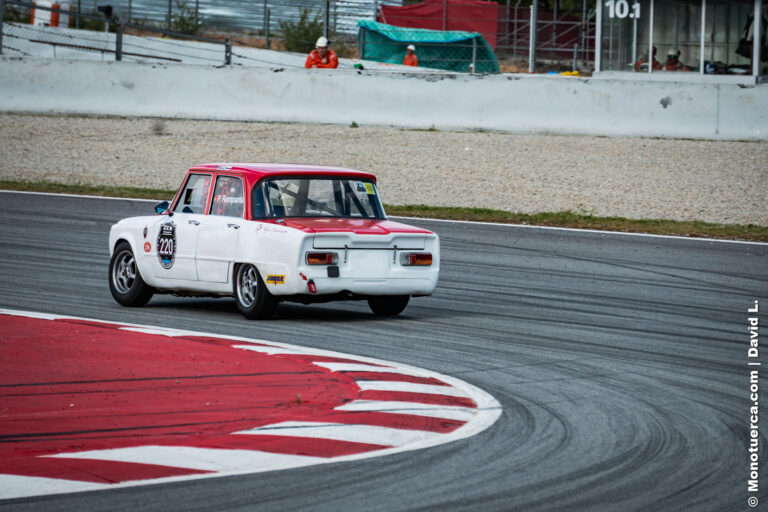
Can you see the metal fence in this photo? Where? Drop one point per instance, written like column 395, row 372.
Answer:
column 567, row 36
column 560, row 34
column 114, row 43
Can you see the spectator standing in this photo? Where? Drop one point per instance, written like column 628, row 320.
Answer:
column 322, row 56
column 410, row 56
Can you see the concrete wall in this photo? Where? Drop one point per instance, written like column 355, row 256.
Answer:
column 514, row 103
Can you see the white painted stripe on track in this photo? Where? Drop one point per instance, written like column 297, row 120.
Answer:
column 448, row 412
column 145, row 330
column 356, row 433
column 408, row 387
column 205, row 459
column 272, row 350
column 580, row 230
column 16, row 486
column 355, row 367
column 529, row 226
column 80, row 196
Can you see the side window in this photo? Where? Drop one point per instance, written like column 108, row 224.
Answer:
column 194, row 195
column 228, row 197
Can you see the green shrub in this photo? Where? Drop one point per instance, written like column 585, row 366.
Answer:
column 184, row 19
column 16, row 14
column 301, row 36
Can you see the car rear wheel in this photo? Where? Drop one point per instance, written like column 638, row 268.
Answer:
column 388, row 305
column 125, row 282
column 251, row 295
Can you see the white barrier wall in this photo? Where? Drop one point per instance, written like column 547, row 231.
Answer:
column 514, row 103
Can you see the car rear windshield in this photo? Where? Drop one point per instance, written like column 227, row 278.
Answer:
column 316, row 197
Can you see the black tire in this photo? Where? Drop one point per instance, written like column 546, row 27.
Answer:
column 389, row 305
column 251, row 295
column 125, row 282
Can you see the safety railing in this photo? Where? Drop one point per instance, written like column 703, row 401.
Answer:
column 116, row 40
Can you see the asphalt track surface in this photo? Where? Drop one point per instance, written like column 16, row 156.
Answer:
column 620, row 362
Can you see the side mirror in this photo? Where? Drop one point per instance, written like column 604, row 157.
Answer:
column 162, row 207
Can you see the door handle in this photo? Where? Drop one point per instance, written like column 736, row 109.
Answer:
column 194, row 222
column 233, row 226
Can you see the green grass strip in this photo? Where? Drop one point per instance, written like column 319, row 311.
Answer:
column 568, row 218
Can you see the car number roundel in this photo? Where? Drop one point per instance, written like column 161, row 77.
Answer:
column 166, row 244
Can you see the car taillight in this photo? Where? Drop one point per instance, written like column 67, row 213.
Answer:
column 416, row 258
column 322, row 258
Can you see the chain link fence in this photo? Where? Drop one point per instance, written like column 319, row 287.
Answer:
column 289, row 26
column 113, row 43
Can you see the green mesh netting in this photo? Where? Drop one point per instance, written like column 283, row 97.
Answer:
column 451, row 50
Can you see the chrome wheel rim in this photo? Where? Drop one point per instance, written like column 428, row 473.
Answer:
column 124, row 272
column 247, row 285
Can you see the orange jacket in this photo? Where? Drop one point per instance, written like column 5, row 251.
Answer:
column 656, row 64
column 670, row 65
column 314, row 60
column 410, row 60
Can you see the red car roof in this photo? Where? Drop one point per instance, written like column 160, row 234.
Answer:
column 254, row 172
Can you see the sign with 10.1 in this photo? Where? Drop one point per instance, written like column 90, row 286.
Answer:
column 620, row 9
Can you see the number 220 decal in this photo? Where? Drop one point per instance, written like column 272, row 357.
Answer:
column 166, row 245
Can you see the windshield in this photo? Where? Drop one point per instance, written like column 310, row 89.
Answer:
column 316, row 197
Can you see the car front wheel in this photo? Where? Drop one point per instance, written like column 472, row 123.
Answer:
column 251, row 295
column 125, row 282
column 388, row 305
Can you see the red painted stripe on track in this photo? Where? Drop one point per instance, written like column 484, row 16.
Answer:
column 70, row 384
column 422, row 398
column 291, row 445
column 98, row 471
column 392, row 420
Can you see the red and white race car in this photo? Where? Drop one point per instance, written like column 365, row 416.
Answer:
column 265, row 233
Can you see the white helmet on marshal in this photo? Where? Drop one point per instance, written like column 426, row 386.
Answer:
column 322, row 42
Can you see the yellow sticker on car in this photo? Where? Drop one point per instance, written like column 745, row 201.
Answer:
column 369, row 188
column 275, row 279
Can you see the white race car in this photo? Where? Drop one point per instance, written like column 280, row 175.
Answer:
column 265, row 233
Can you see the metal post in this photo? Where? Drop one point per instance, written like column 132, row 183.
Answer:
column 361, row 42
column 170, row 8
column 757, row 37
column 376, row 10
column 2, row 15
column 197, row 10
column 634, row 42
column 445, row 14
column 727, row 34
column 599, row 36
column 474, row 55
column 514, row 31
column 119, row 41
column 532, row 45
column 130, row 10
column 650, row 39
column 266, row 33
column 327, row 17
column 703, row 28
column 506, row 25
column 554, row 24
column 583, row 30
column 575, row 55
column 265, row 28
column 228, row 51
column 77, row 18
